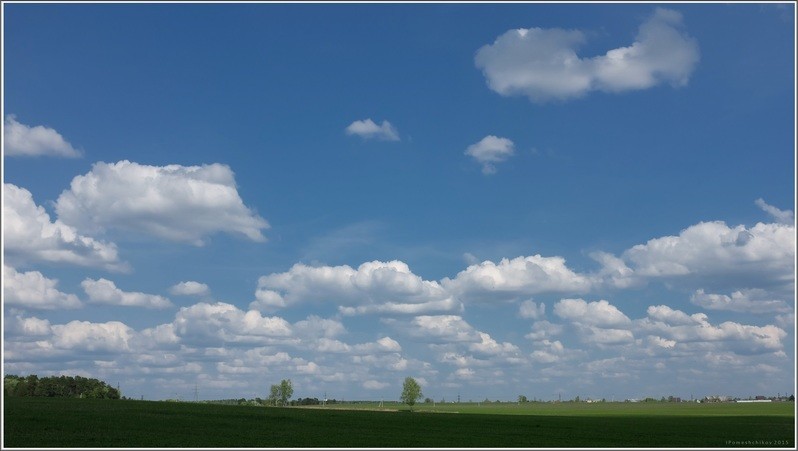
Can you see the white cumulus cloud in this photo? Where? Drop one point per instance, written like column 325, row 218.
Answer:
column 761, row 256
column 513, row 278
column 23, row 140
column 220, row 323
column 112, row 336
column 489, row 151
column 443, row 328
column 368, row 129
column 696, row 330
column 374, row 287
column 104, row 291
column 598, row 313
column 543, row 64
column 32, row 290
column 30, row 236
column 189, row 288
column 178, row 203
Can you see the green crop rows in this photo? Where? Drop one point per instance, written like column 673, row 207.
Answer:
column 88, row 423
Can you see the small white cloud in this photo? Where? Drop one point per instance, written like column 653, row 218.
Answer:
column 444, row 328
column 190, row 288
column 23, row 140
column 489, row 151
column 367, row 129
column 747, row 301
column 542, row 330
column 673, row 317
column 178, row 203
column 375, row 385
column 598, row 313
column 781, row 216
column 389, row 344
column 613, row 270
column 28, row 327
column 543, row 64
column 32, row 290
column 104, row 291
column 529, row 309
column 489, row 346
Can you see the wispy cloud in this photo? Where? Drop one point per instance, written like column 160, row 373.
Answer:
column 781, row 216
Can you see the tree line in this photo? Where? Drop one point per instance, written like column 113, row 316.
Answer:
column 57, row 387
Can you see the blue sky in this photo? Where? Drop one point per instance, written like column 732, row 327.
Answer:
column 586, row 199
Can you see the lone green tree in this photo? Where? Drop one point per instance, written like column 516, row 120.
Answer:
column 274, row 394
column 411, row 392
column 286, row 391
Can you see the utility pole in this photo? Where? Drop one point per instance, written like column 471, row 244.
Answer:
column 196, row 393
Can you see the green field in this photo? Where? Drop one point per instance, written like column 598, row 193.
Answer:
column 88, row 423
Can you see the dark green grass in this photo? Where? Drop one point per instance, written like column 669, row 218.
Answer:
column 84, row 423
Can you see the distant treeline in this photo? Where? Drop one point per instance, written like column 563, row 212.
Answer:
column 263, row 402
column 57, row 387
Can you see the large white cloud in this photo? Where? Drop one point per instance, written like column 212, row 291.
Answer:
column 112, row 336
column 681, row 328
column 517, row 277
column 489, row 151
column 374, row 287
column 221, row 323
column 104, row 291
column 598, row 323
column 368, row 129
column 178, row 203
column 32, row 290
column 761, row 256
column 29, row 236
column 543, row 64
column 23, row 140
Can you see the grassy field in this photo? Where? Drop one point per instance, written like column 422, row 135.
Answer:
column 85, row 423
